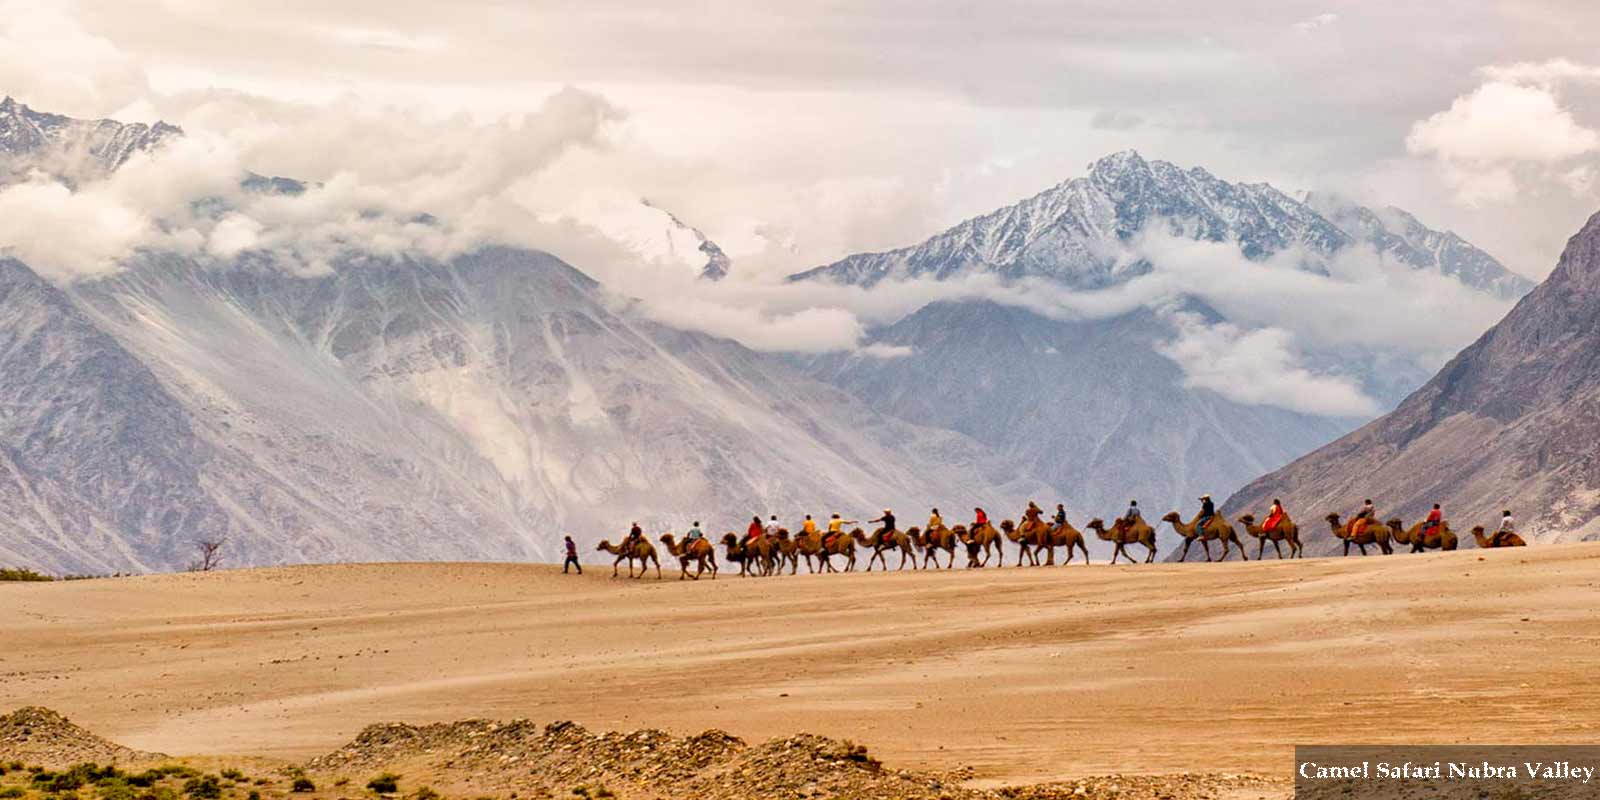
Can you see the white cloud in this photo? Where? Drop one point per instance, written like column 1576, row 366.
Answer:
column 49, row 59
column 1318, row 21
column 1500, row 122
column 1259, row 367
column 1510, row 137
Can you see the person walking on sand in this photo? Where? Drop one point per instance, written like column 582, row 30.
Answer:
column 572, row 558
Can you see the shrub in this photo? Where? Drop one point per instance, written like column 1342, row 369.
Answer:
column 23, row 575
column 302, row 784
column 204, row 787
column 232, row 775
column 424, row 793
column 12, row 791
column 387, row 783
column 254, row 795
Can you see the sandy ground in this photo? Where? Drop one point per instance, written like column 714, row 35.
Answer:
column 1024, row 674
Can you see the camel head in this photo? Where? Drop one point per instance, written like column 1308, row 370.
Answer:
column 1172, row 516
column 1333, row 519
column 666, row 538
column 1007, row 525
column 1396, row 524
column 783, row 534
column 1477, row 530
column 1248, row 519
column 605, row 545
column 1097, row 524
column 730, row 539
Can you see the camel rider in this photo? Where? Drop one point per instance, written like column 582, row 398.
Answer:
column 1033, row 512
column 693, row 534
column 808, row 527
column 1507, row 525
column 836, row 529
column 888, row 524
column 979, row 519
column 935, row 522
column 1274, row 516
column 1061, row 515
column 754, row 531
column 635, row 534
column 1435, row 517
column 1132, row 516
column 1208, row 510
column 1363, row 518
column 772, row 528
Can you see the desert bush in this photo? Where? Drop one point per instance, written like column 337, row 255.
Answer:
column 387, row 783
column 424, row 793
column 23, row 575
column 232, row 775
column 203, row 787
column 12, row 791
column 302, row 784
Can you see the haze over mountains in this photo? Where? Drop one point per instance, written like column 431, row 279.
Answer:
column 481, row 404
column 1114, row 405
column 1509, row 424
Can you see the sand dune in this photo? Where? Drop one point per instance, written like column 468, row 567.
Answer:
column 1024, row 674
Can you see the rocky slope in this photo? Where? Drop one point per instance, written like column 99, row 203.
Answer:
column 1510, row 423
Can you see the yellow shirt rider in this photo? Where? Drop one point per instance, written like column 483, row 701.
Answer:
column 935, row 522
column 809, row 527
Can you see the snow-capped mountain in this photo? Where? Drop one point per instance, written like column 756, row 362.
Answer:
column 400, row 408
column 1071, row 232
column 76, row 148
column 1098, row 408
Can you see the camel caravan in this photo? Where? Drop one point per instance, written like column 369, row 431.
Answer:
column 768, row 549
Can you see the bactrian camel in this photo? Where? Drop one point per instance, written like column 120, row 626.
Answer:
column 1218, row 529
column 1440, row 538
column 756, row 556
column 1123, row 535
column 1286, row 532
column 1499, row 539
column 881, row 541
column 931, row 541
column 981, row 539
column 1042, row 536
column 1374, row 533
column 642, row 550
column 699, row 551
column 819, row 547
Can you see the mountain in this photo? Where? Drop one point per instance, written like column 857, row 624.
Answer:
column 74, row 148
column 1098, row 408
column 1509, row 423
column 1069, row 233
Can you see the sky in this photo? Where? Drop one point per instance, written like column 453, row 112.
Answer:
column 794, row 134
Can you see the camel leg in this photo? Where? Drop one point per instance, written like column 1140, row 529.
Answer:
column 1205, row 545
column 1261, row 547
column 1240, row 545
column 1085, row 547
column 1363, row 548
column 1277, row 548
column 1184, row 556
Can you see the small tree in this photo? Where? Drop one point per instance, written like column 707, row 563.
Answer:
column 210, row 555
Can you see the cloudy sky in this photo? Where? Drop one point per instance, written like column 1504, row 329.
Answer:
column 794, row 134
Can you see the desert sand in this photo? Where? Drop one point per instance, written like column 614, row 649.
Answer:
column 1024, row 674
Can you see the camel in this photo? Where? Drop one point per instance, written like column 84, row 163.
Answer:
column 979, row 540
column 1123, row 534
column 1499, row 539
column 788, row 552
column 1375, row 533
column 817, row 546
column 1046, row 537
column 1287, row 532
column 757, row 556
column 644, row 551
column 886, row 540
column 932, row 541
column 1219, row 528
column 1440, row 538
column 699, row 551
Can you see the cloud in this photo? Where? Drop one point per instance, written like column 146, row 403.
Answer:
column 1259, row 367
column 1510, row 137
column 1108, row 120
column 1312, row 24
column 48, row 58
column 1501, row 122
